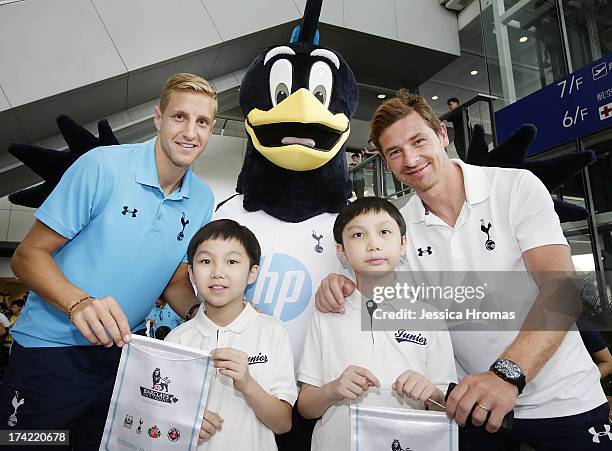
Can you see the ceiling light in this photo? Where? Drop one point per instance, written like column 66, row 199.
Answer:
column 382, row 96
column 523, row 39
column 434, row 97
column 474, row 72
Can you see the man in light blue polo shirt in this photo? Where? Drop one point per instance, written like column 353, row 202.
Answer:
column 162, row 316
column 107, row 243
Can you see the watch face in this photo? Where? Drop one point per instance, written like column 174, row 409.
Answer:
column 508, row 368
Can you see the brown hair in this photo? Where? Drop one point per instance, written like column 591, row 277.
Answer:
column 186, row 82
column 398, row 107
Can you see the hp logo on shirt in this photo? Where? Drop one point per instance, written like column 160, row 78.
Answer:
column 283, row 288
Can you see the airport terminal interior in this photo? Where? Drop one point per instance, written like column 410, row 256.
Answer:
column 506, row 62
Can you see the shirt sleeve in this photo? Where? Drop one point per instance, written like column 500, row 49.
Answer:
column 311, row 364
column 532, row 214
column 74, row 201
column 283, row 383
column 4, row 320
column 593, row 341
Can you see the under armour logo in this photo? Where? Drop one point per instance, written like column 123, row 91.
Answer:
column 489, row 244
column 184, row 222
column 427, row 250
column 126, row 211
column 596, row 434
column 318, row 248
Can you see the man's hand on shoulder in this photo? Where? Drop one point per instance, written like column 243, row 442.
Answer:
column 330, row 295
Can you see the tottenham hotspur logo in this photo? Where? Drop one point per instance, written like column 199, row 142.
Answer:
column 318, row 248
column 489, row 244
column 12, row 420
column 184, row 222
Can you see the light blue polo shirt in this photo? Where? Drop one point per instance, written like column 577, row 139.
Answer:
column 125, row 237
column 164, row 317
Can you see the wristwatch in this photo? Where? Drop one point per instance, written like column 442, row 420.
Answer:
column 510, row 372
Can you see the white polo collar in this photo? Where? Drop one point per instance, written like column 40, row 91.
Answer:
column 475, row 184
column 238, row 326
column 354, row 300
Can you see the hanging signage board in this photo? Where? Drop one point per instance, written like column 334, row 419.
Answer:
column 571, row 108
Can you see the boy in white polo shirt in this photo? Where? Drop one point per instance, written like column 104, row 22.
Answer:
column 341, row 362
column 254, row 388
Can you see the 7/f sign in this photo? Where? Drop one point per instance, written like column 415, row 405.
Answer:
column 574, row 107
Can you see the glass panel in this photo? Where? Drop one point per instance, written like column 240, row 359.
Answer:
column 589, row 30
column 523, row 47
column 363, row 176
column 600, row 174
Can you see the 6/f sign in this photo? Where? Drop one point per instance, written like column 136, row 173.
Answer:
column 573, row 107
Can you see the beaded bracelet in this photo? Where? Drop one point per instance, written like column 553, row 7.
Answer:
column 86, row 298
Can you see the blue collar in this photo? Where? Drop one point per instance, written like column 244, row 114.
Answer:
column 146, row 171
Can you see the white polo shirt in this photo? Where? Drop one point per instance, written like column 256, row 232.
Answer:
column 335, row 341
column 295, row 257
column 266, row 342
column 512, row 209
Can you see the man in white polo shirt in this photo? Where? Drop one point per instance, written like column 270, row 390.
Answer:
column 468, row 218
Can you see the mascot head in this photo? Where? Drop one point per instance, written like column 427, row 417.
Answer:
column 297, row 100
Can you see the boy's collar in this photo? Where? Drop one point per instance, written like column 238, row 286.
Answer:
column 238, row 326
column 354, row 300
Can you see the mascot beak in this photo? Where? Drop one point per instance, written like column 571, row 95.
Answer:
column 299, row 133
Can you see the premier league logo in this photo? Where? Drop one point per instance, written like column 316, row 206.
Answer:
column 397, row 446
column 159, row 392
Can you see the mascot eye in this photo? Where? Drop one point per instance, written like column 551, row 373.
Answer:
column 281, row 74
column 281, row 92
column 320, row 83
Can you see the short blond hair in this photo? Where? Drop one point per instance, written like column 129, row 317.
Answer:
column 398, row 107
column 187, row 82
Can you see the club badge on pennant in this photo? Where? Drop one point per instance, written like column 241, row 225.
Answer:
column 165, row 387
column 397, row 429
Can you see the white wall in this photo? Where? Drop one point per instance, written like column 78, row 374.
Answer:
column 220, row 164
column 15, row 220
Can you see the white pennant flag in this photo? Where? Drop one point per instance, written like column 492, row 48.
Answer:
column 397, row 429
column 159, row 397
